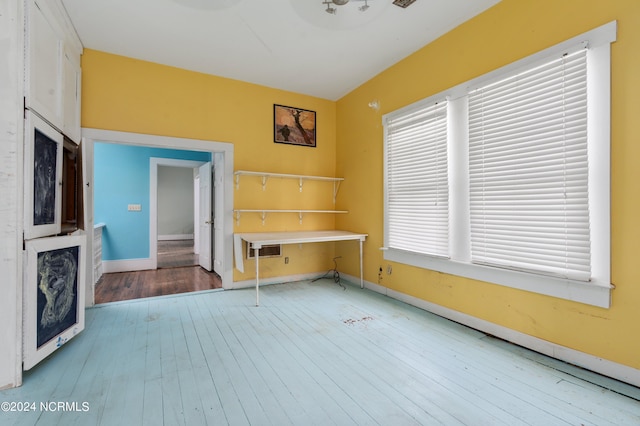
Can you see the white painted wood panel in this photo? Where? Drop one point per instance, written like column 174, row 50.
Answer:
column 71, row 86
column 11, row 137
column 53, row 74
column 44, row 65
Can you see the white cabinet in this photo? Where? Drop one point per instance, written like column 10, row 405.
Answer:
column 72, row 75
column 43, row 64
column 52, row 63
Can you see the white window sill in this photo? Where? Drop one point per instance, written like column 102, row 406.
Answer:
column 590, row 293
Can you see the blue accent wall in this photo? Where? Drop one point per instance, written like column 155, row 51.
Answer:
column 121, row 177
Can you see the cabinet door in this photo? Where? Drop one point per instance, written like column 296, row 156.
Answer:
column 53, row 296
column 44, row 67
column 71, row 94
column 42, row 178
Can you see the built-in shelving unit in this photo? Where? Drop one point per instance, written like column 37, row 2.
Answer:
column 301, row 179
column 263, row 213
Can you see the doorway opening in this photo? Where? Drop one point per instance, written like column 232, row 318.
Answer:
column 176, row 253
column 216, row 228
column 176, row 246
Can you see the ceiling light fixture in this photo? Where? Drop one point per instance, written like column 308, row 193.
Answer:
column 340, row 14
column 333, row 11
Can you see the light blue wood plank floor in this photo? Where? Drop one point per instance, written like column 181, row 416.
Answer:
column 311, row 354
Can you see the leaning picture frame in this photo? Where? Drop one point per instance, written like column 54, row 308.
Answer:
column 43, row 155
column 294, row 126
column 53, row 296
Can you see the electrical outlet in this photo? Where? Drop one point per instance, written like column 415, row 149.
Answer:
column 134, row 207
column 286, row 260
column 389, row 269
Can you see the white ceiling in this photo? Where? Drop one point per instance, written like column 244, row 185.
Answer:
column 285, row 44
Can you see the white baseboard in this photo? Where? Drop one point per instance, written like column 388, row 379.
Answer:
column 175, row 237
column 276, row 280
column 128, row 265
column 590, row 362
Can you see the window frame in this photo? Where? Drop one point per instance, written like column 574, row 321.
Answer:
column 431, row 111
column 597, row 291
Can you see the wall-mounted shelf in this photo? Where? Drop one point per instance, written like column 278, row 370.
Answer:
column 263, row 213
column 301, row 178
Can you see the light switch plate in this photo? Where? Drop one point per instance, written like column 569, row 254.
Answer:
column 134, row 207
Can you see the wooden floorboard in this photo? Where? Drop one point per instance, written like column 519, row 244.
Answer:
column 119, row 286
column 176, row 253
column 311, row 354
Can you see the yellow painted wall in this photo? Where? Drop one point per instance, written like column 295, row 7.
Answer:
column 136, row 96
column 511, row 30
column 130, row 95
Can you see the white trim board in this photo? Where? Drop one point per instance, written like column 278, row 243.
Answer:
column 11, row 190
column 593, row 363
column 175, row 237
column 127, row 265
column 279, row 280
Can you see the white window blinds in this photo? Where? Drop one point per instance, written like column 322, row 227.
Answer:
column 417, row 183
column 528, row 170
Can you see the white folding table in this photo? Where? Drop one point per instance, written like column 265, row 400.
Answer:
column 259, row 239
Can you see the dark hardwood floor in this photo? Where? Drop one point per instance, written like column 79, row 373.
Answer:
column 176, row 274
column 176, row 253
column 160, row 282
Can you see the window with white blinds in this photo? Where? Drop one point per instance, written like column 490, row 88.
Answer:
column 417, row 206
column 506, row 178
column 528, row 170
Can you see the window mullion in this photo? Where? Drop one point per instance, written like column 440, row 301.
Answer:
column 458, row 135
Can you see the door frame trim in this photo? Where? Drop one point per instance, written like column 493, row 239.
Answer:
column 225, row 148
column 154, row 162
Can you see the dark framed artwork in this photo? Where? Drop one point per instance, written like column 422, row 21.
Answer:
column 53, row 295
column 42, row 179
column 294, row 126
column 45, row 167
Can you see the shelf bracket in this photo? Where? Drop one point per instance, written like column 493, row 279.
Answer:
column 300, row 217
column 336, row 186
column 237, row 218
column 237, row 182
column 301, row 183
column 263, row 216
column 265, row 178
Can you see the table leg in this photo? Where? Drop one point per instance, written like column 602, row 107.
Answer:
column 256, row 254
column 361, row 269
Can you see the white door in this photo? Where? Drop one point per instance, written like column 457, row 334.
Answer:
column 204, row 216
column 196, row 212
column 218, row 211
